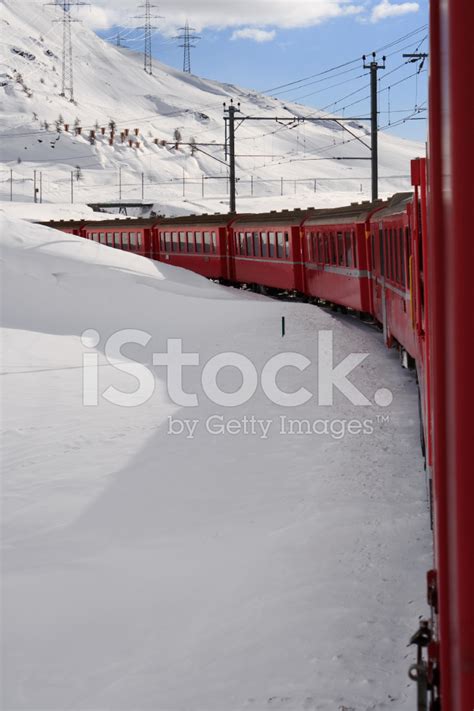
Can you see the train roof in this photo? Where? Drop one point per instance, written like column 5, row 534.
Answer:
column 113, row 222
column 284, row 217
column 395, row 205
column 355, row 212
column 216, row 218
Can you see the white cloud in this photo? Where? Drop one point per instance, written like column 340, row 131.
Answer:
column 253, row 33
column 220, row 14
column 387, row 9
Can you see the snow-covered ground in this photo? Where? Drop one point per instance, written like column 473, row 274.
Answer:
column 148, row 570
column 110, row 85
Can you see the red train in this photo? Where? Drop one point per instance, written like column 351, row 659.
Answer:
column 407, row 263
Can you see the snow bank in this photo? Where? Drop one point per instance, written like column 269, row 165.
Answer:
column 144, row 569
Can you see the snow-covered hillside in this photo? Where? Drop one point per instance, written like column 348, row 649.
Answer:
column 111, row 85
column 228, row 572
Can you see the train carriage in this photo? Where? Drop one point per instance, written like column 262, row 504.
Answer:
column 394, row 271
column 195, row 242
column 266, row 250
column 336, row 260
column 131, row 235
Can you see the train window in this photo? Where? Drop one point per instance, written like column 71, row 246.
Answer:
column 242, row 243
column 397, row 255
column 402, row 257
column 372, row 239
column 315, row 247
column 326, row 249
column 110, row 239
column 199, row 242
column 102, row 238
column 287, row 245
column 174, row 242
column 354, row 249
column 248, row 237
column 320, row 248
column 117, row 241
column 167, row 241
column 256, row 244
column 332, row 241
column 182, row 241
column 190, row 241
column 207, row 242
column 348, row 239
column 124, row 240
column 214, row 242
column 309, row 251
column 388, row 270
column 280, row 245
column 271, row 244
column 140, row 240
column 340, row 249
column 382, row 263
column 264, row 244
column 133, row 240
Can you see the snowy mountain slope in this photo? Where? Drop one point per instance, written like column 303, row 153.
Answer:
column 110, row 84
column 146, row 570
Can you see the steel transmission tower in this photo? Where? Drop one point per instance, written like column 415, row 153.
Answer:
column 187, row 37
column 67, row 86
column 148, row 17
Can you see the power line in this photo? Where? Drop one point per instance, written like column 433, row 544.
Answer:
column 148, row 17
column 187, row 37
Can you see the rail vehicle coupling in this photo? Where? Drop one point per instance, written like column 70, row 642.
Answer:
column 426, row 669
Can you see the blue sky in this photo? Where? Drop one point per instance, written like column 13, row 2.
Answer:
column 261, row 50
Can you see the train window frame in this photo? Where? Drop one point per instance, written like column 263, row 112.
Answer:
column 401, row 247
column 287, row 245
column 315, row 247
column 198, row 240
column 256, row 244
column 139, row 240
column 125, row 241
column 332, row 248
column 182, row 241
column 190, row 242
column 110, row 239
column 206, row 241
column 341, row 262
column 168, row 242
column 272, row 244
column 249, row 243
column 355, row 260
column 242, row 244
column 214, row 242
column 397, row 255
column 349, row 251
column 280, row 245
column 133, row 240
column 102, row 238
column 264, row 244
column 327, row 252
column 309, row 246
column 321, row 253
column 382, row 252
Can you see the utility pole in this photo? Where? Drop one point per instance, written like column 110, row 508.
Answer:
column 67, row 86
column 148, row 17
column 374, row 66
column 231, row 111
column 187, row 37
column 119, row 41
column 229, row 120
